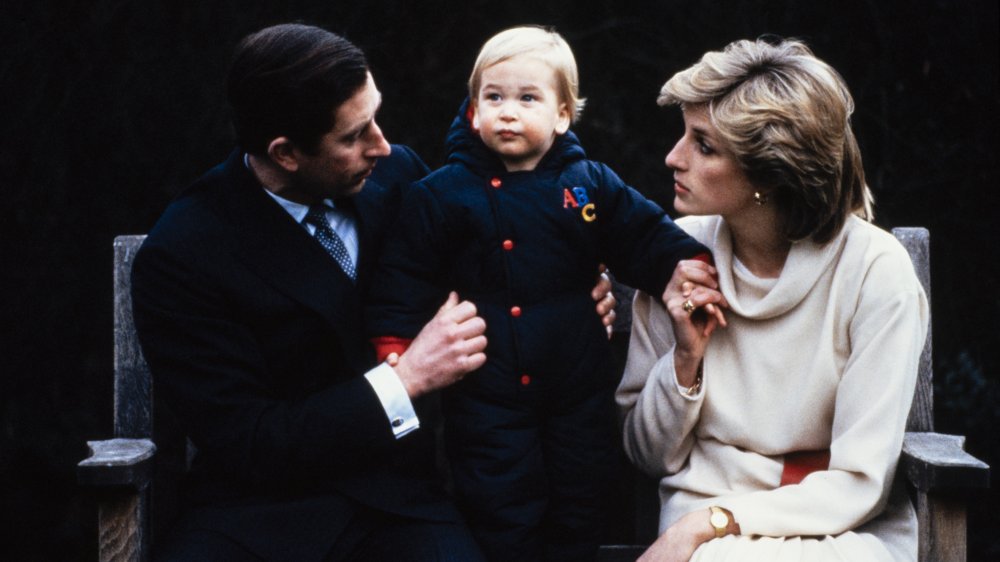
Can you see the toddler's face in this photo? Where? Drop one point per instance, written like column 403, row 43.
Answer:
column 518, row 112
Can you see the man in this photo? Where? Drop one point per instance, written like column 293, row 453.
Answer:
column 247, row 299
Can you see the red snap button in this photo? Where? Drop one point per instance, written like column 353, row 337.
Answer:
column 508, row 244
column 515, row 311
column 495, row 182
column 525, row 380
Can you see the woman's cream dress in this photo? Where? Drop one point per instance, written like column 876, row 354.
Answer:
column 824, row 357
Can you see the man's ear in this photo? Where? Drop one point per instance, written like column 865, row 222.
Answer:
column 562, row 123
column 283, row 153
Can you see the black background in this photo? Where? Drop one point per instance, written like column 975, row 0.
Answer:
column 109, row 108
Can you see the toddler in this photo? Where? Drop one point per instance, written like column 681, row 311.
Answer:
column 517, row 222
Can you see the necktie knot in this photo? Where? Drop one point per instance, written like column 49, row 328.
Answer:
column 317, row 216
column 327, row 238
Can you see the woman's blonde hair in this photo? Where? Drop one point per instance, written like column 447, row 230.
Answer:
column 544, row 44
column 785, row 115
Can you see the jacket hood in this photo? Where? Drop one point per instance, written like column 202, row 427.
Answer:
column 464, row 146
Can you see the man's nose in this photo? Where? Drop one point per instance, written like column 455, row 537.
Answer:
column 380, row 146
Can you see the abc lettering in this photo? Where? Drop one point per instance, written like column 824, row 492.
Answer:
column 576, row 198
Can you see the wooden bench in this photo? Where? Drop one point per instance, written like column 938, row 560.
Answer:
column 135, row 480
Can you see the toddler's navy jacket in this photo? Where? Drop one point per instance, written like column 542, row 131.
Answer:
column 524, row 247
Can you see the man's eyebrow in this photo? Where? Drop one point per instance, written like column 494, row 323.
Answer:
column 356, row 130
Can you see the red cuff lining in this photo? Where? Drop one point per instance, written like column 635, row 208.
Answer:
column 705, row 257
column 384, row 345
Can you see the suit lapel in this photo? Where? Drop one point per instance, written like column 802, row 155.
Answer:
column 283, row 253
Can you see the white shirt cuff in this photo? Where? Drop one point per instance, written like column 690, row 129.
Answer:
column 396, row 403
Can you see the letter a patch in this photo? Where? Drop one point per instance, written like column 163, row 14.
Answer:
column 569, row 200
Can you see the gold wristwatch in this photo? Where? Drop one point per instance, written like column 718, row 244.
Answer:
column 719, row 520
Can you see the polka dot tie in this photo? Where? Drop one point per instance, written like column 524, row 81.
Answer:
column 329, row 239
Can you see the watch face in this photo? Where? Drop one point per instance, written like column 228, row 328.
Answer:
column 719, row 520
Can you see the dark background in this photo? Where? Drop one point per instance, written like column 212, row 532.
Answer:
column 109, row 108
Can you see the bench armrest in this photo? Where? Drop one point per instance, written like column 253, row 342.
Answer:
column 934, row 461
column 121, row 463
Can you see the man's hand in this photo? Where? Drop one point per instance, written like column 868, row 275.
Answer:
column 449, row 346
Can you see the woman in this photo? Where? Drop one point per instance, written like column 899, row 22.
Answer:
column 775, row 437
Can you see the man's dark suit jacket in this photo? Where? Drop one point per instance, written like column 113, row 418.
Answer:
column 254, row 338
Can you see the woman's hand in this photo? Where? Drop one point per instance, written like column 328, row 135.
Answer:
column 605, row 299
column 695, row 306
column 681, row 539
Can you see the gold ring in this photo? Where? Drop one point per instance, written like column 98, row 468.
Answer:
column 688, row 306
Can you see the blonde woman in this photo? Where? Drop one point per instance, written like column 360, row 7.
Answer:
column 775, row 437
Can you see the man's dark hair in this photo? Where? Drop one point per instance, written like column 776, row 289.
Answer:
column 287, row 80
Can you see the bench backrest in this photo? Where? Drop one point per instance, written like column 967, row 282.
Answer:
column 133, row 383
column 135, row 415
column 917, row 242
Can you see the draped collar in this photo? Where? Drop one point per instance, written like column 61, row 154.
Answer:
column 805, row 265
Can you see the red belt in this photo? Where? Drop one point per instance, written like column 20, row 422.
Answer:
column 799, row 464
